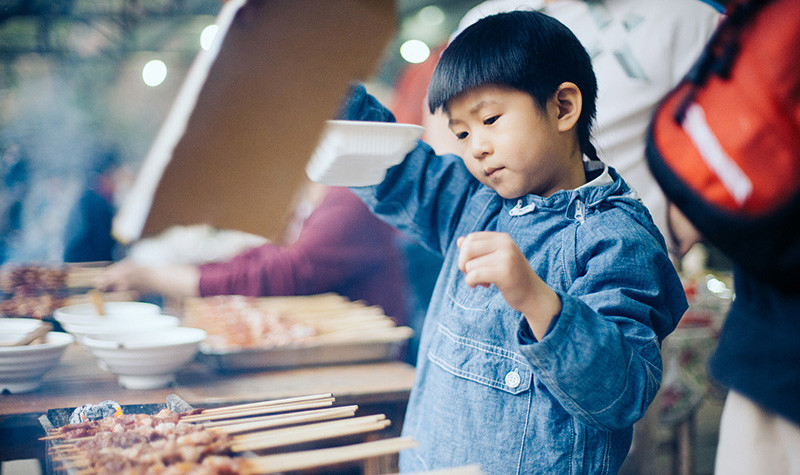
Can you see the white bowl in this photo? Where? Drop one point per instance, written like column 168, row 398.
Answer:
column 358, row 153
column 145, row 360
column 85, row 313
column 120, row 325
column 22, row 367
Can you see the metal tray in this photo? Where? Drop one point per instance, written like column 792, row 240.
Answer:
column 298, row 356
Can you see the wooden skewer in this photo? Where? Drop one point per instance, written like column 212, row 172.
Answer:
column 272, row 402
column 265, row 422
column 273, row 416
column 318, row 300
column 96, row 298
column 343, row 318
column 306, row 459
column 359, row 324
column 326, row 314
column 58, row 435
column 302, row 437
column 258, row 411
column 119, row 296
column 384, row 335
column 64, row 448
column 71, row 458
column 307, row 433
column 40, row 331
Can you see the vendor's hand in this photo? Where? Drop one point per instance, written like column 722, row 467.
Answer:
column 494, row 258
column 122, row 275
column 683, row 234
column 176, row 280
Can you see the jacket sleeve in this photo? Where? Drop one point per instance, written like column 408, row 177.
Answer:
column 601, row 358
column 423, row 195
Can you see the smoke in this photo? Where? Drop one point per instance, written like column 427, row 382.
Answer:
column 42, row 115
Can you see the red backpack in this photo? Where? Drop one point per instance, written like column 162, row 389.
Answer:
column 725, row 143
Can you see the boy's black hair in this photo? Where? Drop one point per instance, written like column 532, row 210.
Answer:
column 525, row 50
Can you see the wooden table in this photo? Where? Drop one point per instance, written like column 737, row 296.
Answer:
column 378, row 387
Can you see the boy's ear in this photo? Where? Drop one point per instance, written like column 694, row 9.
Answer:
column 569, row 101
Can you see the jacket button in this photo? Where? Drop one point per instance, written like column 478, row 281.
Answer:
column 513, row 379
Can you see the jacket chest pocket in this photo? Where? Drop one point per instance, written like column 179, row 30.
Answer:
column 466, row 298
column 482, row 363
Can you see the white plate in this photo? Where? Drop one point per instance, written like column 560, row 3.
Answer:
column 358, row 153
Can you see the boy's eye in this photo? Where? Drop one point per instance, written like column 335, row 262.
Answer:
column 491, row 120
column 461, row 135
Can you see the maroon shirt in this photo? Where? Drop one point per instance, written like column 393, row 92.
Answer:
column 342, row 248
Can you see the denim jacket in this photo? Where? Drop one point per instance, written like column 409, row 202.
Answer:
column 486, row 392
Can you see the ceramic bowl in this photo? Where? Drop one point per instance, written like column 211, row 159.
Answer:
column 139, row 324
column 119, row 317
column 85, row 313
column 145, row 360
column 22, row 367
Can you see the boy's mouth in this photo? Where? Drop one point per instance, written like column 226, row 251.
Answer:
column 491, row 171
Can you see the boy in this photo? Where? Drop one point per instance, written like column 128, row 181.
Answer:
column 541, row 344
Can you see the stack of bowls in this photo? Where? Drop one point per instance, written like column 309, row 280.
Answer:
column 358, row 153
column 119, row 317
column 22, row 367
column 133, row 340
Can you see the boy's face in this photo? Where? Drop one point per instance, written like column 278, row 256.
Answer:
column 511, row 145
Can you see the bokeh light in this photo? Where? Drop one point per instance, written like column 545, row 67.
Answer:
column 415, row 51
column 154, row 72
column 207, row 36
column 431, row 15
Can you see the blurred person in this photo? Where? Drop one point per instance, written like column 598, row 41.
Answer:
column 334, row 244
column 87, row 236
column 537, row 334
column 724, row 147
column 640, row 50
column 16, row 186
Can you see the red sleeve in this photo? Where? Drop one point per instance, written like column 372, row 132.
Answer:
column 342, row 248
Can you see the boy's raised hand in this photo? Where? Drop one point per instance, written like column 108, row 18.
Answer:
column 487, row 257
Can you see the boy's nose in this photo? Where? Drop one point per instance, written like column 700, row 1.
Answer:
column 480, row 147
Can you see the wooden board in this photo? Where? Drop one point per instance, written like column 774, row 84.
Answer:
column 233, row 150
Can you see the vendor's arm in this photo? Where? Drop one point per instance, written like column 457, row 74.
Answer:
column 601, row 355
column 339, row 244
